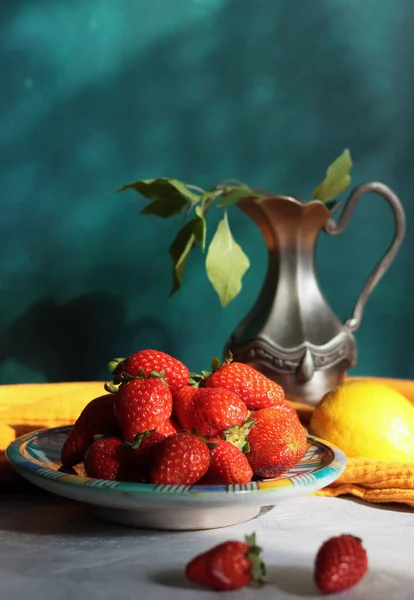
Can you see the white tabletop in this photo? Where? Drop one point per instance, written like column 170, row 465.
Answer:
column 55, row 548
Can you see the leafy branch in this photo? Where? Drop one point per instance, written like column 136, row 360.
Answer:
column 226, row 263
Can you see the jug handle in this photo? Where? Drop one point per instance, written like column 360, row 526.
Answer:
column 335, row 227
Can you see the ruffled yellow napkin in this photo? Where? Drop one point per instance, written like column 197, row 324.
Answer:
column 375, row 481
column 27, row 407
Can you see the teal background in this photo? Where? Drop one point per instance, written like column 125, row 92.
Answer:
column 96, row 94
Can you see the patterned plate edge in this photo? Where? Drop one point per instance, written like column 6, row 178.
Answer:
column 327, row 473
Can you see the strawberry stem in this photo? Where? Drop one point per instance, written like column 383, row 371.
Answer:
column 258, row 569
column 229, row 358
column 135, row 444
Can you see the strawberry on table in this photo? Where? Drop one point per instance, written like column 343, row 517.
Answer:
column 103, row 458
column 176, row 373
column 229, row 466
column 214, row 410
column 96, row 418
column 181, row 459
column 277, row 442
column 228, row 566
column 142, row 404
column 340, row 563
column 254, row 388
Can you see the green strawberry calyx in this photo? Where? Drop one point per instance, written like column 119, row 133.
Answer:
column 124, row 378
column 204, row 438
column 196, row 379
column 110, row 388
column 114, row 364
column 237, row 434
column 216, row 364
column 115, row 368
column 136, row 442
column 258, row 569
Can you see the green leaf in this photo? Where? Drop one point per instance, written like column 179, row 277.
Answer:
column 337, row 178
column 153, row 189
column 165, row 207
column 200, row 227
column 169, row 196
column 192, row 233
column 236, row 194
column 226, row 263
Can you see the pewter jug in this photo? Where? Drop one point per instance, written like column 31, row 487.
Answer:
column 291, row 334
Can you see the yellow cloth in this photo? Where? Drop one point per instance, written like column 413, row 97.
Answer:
column 27, row 407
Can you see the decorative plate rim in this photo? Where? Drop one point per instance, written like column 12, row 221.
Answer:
column 326, row 473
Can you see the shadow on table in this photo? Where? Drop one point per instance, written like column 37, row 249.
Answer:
column 28, row 510
column 294, row 580
column 297, row 581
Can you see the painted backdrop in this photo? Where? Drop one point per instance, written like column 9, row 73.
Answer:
column 95, row 94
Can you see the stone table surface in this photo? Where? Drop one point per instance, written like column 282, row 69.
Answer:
column 54, row 548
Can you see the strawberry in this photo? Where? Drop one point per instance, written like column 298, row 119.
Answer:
column 256, row 390
column 142, row 404
column 167, row 428
column 214, row 410
column 182, row 400
column 341, row 563
column 136, row 457
column 181, row 459
column 103, row 458
column 228, row 566
column 277, row 442
column 229, row 466
column 96, row 418
column 176, row 373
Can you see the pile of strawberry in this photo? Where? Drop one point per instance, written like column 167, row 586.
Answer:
column 160, row 425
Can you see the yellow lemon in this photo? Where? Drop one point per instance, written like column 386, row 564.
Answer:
column 366, row 419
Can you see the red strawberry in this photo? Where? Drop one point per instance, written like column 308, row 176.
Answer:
column 103, row 458
column 176, row 373
column 96, row 418
column 141, row 405
column 136, row 457
column 277, row 442
column 341, row 563
column 168, row 428
column 228, row 566
column 214, row 410
column 229, row 466
column 181, row 459
column 256, row 390
column 182, row 404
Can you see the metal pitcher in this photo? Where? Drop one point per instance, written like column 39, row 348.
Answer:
column 291, row 334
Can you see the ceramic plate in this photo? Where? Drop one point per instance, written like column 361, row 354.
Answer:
column 36, row 456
